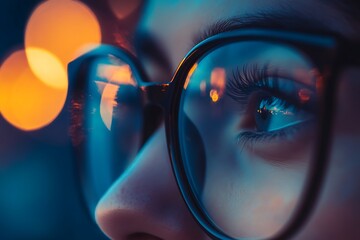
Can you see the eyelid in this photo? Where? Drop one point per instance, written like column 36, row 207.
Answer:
column 252, row 78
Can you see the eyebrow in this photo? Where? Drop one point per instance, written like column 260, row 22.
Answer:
column 282, row 20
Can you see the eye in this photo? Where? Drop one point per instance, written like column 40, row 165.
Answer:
column 272, row 106
column 275, row 114
column 273, row 117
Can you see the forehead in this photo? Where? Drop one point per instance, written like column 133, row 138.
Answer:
column 175, row 23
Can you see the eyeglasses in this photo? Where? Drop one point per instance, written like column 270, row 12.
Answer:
column 248, row 119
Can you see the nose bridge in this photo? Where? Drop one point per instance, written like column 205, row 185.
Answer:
column 157, row 94
column 143, row 174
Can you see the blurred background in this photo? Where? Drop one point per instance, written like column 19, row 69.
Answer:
column 39, row 191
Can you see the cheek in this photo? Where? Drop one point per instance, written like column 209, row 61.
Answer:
column 251, row 198
column 246, row 194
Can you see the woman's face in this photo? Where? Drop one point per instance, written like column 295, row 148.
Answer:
column 145, row 202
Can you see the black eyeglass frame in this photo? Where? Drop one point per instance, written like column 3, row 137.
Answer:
column 330, row 54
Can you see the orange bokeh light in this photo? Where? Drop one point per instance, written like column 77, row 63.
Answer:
column 33, row 82
column 62, row 28
column 48, row 68
column 25, row 101
column 123, row 8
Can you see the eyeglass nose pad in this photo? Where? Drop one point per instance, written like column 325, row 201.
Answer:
column 195, row 162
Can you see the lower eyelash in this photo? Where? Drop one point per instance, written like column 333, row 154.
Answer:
column 249, row 138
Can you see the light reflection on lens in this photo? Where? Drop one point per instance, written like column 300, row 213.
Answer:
column 217, row 82
column 193, row 68
column 304, row 95
column 114, row 77
column 203, row 87
column 108, row 103
column 214, row 95
column 116, row 74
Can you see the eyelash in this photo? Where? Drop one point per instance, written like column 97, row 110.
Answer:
column 250, row 79
column 246, row 139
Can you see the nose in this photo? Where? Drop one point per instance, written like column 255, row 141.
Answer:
column 145, row 203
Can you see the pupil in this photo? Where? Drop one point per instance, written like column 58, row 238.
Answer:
column 264, row 113
column 262, row 119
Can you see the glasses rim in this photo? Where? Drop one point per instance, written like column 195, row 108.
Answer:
column 168, row 97
column 328, row 45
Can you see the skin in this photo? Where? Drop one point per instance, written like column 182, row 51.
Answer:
column 145, row 203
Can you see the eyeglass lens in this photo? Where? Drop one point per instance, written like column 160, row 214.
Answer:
column 252, row 106
column 113, row 121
